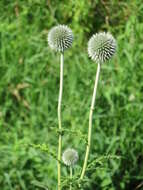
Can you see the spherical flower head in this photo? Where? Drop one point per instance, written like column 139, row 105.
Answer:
column 101, row 47
column 70, row 157
column 60, row 38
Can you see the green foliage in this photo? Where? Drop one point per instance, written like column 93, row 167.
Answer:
column 29, row 83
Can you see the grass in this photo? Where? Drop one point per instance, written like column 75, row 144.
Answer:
column 29, row 82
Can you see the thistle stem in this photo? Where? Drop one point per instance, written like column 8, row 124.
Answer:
column 70, row 177
column 59, row 120
column 90, row 122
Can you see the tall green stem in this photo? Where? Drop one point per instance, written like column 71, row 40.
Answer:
column 71, row 177
column 90, row 122
column 59, row 120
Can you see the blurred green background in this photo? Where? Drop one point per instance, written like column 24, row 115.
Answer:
column 29, row 84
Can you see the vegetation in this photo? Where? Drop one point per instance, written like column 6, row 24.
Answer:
column 29, row 86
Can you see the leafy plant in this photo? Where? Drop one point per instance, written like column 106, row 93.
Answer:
column 60, row 38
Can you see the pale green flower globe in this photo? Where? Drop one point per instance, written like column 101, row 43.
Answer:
column 60, row 38
column 70, row 157
column 101, row 47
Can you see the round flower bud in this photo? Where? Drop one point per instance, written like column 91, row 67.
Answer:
column 101, row 47
column 70, row 157
column 60, row 38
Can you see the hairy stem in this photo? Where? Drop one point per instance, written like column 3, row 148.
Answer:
column 90, row 122
column 59, row 120
column 71, row 177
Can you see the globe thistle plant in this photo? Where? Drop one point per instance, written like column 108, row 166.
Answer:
column 101, row 47
column 70, row 158
column 60, row 38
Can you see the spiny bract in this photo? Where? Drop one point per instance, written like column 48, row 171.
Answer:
column 60, row 38
column 101, row 47
column 70, row 157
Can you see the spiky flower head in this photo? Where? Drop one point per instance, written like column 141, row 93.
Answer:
column 70, row 157
column 60, row 38
column 101, row 47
